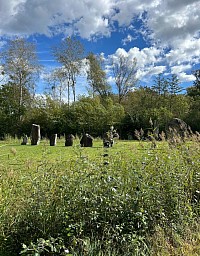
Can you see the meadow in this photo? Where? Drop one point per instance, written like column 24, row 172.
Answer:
column 136, row 198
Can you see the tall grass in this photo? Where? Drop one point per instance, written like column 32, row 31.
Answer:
column 132, row 199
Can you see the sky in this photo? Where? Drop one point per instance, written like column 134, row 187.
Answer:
column 163, row 35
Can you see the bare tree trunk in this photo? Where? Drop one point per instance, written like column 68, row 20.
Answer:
column 20, row 99
column 68, row 85
column 74, row 90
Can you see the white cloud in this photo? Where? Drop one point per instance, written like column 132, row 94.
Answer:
column 167, row 19
column 173, row 21
column 173, row 25
column 187, row 51
column 180, row 71
column 129, row 9
column 128, row 39
column 148, row 61
column 87, row 17
column 183, row 77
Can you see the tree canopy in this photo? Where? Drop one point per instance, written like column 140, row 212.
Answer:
column 130, row 108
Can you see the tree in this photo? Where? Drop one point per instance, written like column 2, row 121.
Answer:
column 97, row 77
column 174, row 85
column 90, row 115
column 197, row 76
column 138, row 103
column 70, row 54
column 57, row 84
column 124, row 72
column 10, row 109
column 21, row 68
column 173, row 88
column 194, row 91
column 160, row 85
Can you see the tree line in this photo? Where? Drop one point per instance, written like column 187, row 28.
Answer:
column 129, row 107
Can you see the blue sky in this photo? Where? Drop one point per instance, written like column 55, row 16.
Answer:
column 163, row 35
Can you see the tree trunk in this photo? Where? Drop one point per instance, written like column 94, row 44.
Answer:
column 68, row 85
column 35, row 134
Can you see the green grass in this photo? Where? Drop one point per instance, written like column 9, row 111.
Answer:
column 131, row 199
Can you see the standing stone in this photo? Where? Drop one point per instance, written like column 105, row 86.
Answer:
column 177, row 127
column 53, row 139
column 25, row 140
column 108, row 139
column 35, row 134
column 69, row 139
column 86, row 140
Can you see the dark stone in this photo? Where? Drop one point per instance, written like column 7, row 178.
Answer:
column 86, row 140
column 35, row 134
column 53, row 139
column 106, row 144
column 69, row 139
column 177, row 127
column 108, row 139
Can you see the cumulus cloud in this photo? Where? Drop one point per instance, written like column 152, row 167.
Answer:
column 174, row 20
column 188, row 50
column 148, row 61
column 181, row 70
column 49, row 17
column 172, row 27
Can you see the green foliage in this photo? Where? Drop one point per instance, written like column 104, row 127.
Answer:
column 45, row 247
column 96, row 77
column 145, row 103
column 90, row 115
column 97, row 209
column 194, row 91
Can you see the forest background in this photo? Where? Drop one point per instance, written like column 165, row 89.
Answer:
column 122, row 102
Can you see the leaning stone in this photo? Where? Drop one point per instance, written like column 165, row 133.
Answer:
column 86, row 140
column 177, row 127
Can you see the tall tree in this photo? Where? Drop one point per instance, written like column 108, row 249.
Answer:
column 21, row 68
column 194, row 91
column 10, row 110
column 70, row 54
column 174, row 88
column 96, row 76
column 124, row 72
column 174, row 85
column 57, row 84
column 160, row 85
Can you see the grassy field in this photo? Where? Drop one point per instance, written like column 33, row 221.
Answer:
column 135, row 198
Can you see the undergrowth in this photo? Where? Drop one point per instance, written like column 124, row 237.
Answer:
column 132, row 199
